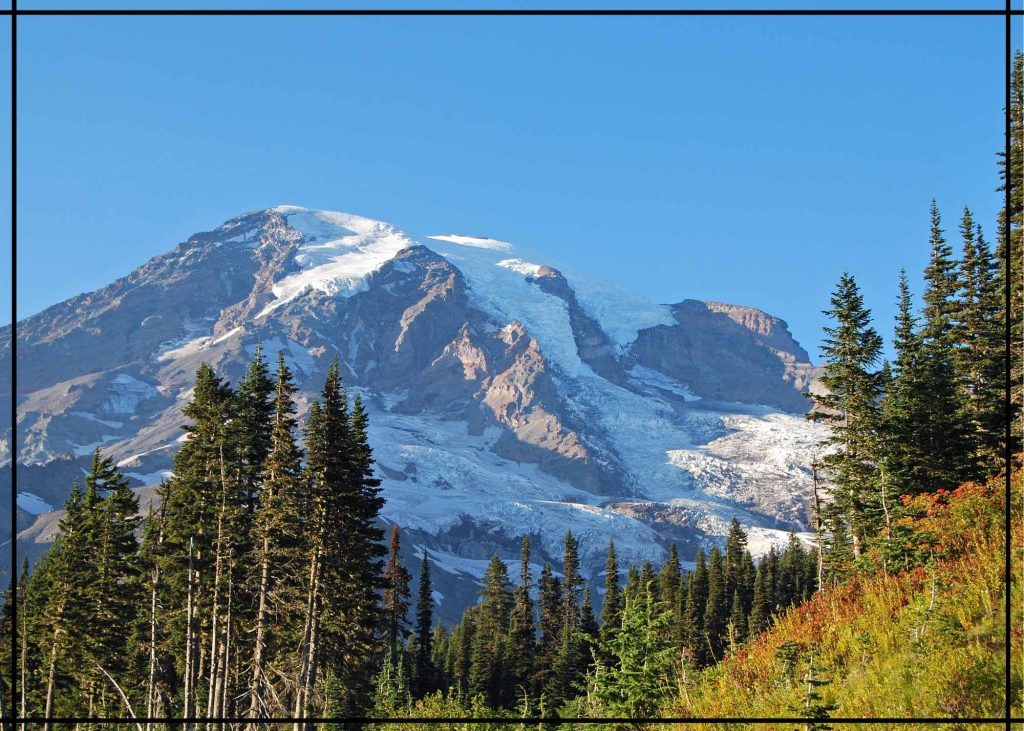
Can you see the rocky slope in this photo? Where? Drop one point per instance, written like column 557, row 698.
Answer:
column 508, row 397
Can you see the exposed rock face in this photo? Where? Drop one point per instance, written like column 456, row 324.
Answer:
column 730, row 353
column 507, row 398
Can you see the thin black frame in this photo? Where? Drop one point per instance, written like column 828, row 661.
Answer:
column 13, row 12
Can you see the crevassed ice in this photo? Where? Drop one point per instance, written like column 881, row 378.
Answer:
column 338, row 252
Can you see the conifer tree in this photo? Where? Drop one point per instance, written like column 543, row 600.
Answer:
column 522, row 633
column 851, row 408
column 1010, row 249
column 943, row 430
column 396, row 594
column 569, row 661
column 696, row 604
column 114, row 595
column 253, row 420
column 424, row 669
column 611, row 610
column 737, row 631
column 904, row 452
column 278, row 549
column 981, row 349
column 588, row 630
column 670, row 580
column 489, row 674
column 760, row 610
column 716, row 613
column 634, row 685
column 551, row 607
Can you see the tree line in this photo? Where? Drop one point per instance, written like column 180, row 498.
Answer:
column 537, row 646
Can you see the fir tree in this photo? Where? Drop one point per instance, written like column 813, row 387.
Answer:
column 278, row 547
column 851, row 408
column 551, row 610
column 489, row 674
column 716, row 613
column 611, row 610
column 522, row 633
column 942, row 428
column 424, row 669
column 981, row 360
column 396, row 594
column 760, row 610
column 635, row 684
column 696, row 604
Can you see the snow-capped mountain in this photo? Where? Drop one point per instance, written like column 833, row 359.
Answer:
column 507, row 396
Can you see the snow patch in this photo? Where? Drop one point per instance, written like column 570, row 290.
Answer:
column 151, row 478
column 478, row 242
column 32, row 503
column 128, row 393
column 90, row 417
column 522, row 267
column 337, row 254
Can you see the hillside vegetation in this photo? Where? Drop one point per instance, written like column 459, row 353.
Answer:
column 926, row 641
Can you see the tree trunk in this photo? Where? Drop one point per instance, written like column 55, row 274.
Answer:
column 258, row 659
column 151, row 686
column 817, row 528
column 226, row 665
column 187, row 709
column 51, row 677
column 310, row 639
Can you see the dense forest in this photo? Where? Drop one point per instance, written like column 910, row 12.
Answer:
column 262, row 586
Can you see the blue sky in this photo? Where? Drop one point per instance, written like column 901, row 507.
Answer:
column 747, row 160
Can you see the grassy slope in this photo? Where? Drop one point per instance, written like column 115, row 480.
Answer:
column 926, row 642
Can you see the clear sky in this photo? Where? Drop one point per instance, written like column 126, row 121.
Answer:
column 746, row 160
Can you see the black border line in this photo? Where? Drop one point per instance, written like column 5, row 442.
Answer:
column 13, row 356
column 906, row 12
column 13, row 12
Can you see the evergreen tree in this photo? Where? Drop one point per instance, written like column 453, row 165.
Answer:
column 943, row 431
column 569, row 662
column 760, row 610
column 904, row 452
column 635, row 683
column 696, row 604
column 611, row 610
column 670, row 578
column 489, row 673
column 253, row 421
column 981, row 360
column 114, row 595
column 737, row 631
column 851, row 408
column 716, row 613
column 276, row 579
column 193, row 547
column 424, row 669
column 588, row 631
column 551, row 608
column 522, row 633
column 396, row 594
column 1010, row 249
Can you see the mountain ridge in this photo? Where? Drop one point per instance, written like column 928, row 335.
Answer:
column 508, row 396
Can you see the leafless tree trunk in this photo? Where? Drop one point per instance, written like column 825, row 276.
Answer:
column 188, row 706
column 51, row 677
column 259, row 648
column 817, row 527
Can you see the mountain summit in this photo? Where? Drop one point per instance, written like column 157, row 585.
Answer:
column 507, row 397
